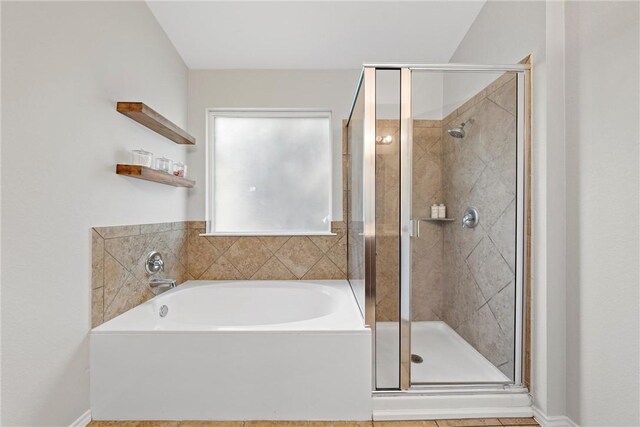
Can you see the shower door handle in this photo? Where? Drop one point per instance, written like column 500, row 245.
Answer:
column 414, row 228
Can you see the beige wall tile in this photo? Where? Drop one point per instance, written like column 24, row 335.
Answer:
column 131, row 294
column 248, row 254
column 505, row 96
column 97, row 260
column 118, row 265
column 127, row 250
column 118, row 231
column 500, row 82
column 299, row 254
column 97, row 307
column 325, row 243
column 179, row 225
column 115, row 275
column 200, row 253
column 155, row 228
column 273, row 243
column 222, row 243
column 338, row 254
column 273, row 269
column 221, row 269
column 324, row 269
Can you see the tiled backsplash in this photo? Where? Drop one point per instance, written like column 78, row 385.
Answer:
column 266, row 257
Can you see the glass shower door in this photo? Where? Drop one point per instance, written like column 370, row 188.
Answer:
column 460, row 267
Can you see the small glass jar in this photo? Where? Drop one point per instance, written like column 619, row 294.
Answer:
column 179, row 169
column 142, row 158
column 163, row 164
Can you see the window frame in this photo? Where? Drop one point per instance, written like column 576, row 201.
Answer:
column 211, row 114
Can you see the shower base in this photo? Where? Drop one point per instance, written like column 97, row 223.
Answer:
column 447, row 357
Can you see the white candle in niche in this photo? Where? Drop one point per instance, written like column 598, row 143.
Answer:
column 442, row 211
column 434, row 211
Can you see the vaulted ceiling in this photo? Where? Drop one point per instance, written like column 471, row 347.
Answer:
column 313, row 34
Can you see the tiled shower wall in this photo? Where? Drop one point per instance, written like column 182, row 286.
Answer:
column 479, row 170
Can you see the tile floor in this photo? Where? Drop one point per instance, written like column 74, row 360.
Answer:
column 480, row 422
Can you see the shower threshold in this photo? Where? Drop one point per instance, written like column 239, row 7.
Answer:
column 447, row 357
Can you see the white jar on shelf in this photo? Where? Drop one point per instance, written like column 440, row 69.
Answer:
column 179, row 169
column 442, row 211
column 142, row 158
column 434, row 211
column 165, row 165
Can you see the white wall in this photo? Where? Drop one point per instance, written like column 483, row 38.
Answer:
column 426, row 90
column 326, row 89
column 64, row 65
column 504, row 33
column 602, row 73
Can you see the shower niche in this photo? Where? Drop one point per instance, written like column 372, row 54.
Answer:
column 446, row 297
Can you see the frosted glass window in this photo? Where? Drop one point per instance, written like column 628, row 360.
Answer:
column 269, row 172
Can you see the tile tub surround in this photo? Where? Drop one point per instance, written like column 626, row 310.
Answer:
column 266, row 257
column 119, row 281
column 479, row 263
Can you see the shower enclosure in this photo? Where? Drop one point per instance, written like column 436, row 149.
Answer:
column 445, row 295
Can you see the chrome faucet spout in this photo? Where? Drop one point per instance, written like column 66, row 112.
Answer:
column 159, row 286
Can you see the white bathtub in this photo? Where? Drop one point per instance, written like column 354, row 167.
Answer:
column 235, row 350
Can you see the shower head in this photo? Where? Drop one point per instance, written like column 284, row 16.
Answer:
column 458, row 132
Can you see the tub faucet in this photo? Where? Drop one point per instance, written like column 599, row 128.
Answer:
column 159, row 286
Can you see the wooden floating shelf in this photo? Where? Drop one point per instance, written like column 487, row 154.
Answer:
column 150, row 118
column 438, row 219
column 148, row 174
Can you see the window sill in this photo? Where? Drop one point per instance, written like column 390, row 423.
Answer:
column 258, row 234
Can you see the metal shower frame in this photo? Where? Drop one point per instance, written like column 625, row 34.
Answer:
column 367, row 83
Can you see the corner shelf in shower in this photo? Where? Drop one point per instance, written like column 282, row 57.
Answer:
column 155, row 121
column 438, row 219
column 148, row 174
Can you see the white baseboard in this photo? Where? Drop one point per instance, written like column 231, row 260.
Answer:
column 83, row 420
column 552, row 420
